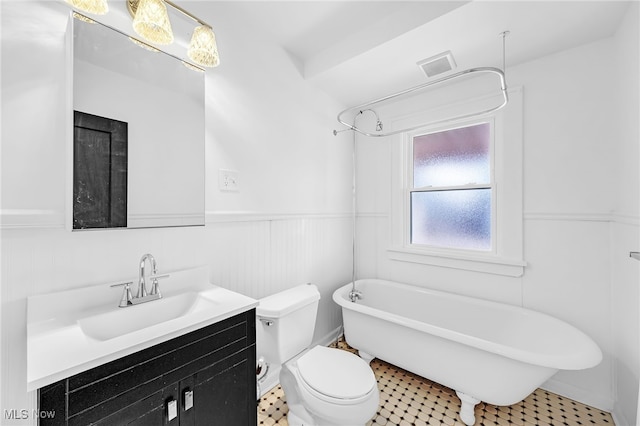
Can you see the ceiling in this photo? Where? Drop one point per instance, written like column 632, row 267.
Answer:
column 330, row 31
column 359, row 50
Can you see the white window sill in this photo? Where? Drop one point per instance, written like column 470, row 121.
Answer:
column 490, row 264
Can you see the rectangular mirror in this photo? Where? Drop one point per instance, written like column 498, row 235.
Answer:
column 138, row 149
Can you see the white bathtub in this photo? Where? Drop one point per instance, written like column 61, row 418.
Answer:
column 485, row 351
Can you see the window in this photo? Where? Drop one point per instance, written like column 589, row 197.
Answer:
column 456, row 198
column 452, row 188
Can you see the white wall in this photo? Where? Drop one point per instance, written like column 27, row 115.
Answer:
column 625, row 231
column 288, row 225
column 567, row 202
column 580, row 145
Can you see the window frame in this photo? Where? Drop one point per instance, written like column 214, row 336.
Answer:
column 506, row 256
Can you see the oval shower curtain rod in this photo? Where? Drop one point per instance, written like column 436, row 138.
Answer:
column 359, row 108
column 493, row 70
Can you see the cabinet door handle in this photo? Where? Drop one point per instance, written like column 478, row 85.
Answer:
column 172, row 409
column 188, row 399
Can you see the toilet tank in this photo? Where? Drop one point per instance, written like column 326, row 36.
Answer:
column 285, row 323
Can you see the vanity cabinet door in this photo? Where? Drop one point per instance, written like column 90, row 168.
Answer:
column 224, row 394
column 204, row 378
column 148, row 412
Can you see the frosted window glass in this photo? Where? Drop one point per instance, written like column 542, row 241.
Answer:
column 452, row 157
column 453, row 219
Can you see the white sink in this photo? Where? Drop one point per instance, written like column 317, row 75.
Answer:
column 71, row 331
column 120, row 321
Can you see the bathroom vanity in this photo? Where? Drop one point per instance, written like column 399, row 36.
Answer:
column 193, row 364
column 204, row 377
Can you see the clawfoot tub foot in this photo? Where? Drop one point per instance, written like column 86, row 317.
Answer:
column 467, row 409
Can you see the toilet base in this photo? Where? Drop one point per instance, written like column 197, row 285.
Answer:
column 294, row 420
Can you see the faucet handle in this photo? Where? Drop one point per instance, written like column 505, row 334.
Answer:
column 154, row 279
column 159, row 277
column 127, row 297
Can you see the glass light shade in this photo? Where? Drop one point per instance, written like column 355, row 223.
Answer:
column 203, row 49
column 97, row 7
column 152, row 22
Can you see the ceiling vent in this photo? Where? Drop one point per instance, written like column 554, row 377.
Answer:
column 437, row 64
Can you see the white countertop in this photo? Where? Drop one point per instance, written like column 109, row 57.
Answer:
column 58, row 347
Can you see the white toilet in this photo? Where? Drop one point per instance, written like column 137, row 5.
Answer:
column 323, row 386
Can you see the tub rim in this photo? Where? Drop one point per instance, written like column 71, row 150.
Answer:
column 589, row 356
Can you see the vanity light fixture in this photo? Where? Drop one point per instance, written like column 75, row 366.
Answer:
column 151, row 22
column 202, row 49
column 96, row 7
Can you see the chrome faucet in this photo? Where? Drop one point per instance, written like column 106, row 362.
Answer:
column 142, row 296
column 142, row 284
column 354, row 295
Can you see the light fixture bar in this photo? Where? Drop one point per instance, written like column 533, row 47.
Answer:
column 187, row 14
column 132, row 6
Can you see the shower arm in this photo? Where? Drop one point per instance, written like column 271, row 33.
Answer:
column 360, row 108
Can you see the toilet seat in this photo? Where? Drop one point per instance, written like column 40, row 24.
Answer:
column 336, row 376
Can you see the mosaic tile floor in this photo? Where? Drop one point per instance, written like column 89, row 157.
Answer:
column 407, row 399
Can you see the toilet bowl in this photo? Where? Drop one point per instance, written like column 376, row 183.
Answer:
column 328, row 387
column 323, row 386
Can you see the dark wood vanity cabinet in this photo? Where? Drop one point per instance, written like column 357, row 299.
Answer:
column 203, row 378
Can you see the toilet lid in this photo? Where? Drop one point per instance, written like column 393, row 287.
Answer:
column 336, row 373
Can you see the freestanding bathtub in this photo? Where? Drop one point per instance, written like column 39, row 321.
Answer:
column 485, row 351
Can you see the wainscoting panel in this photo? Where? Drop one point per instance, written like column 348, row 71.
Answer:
column 264, row 255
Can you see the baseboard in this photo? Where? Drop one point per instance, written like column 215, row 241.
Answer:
column 579, row 395
column 619, row 419
column 329, row 338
